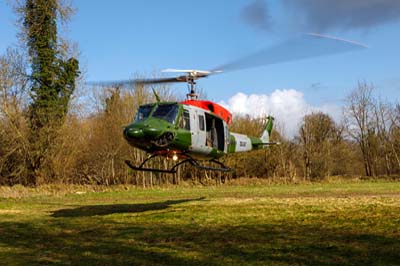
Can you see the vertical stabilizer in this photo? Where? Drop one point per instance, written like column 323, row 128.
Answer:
column 268, row 130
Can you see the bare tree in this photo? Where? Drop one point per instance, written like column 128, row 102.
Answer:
column 382, row 123
column 359, row 120
column 13, row 127
column 316, row 135
column 394, row 136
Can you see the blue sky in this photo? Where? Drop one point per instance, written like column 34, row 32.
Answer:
column 120, row 38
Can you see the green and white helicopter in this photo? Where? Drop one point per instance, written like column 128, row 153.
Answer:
column 193, row 130
column 189, row 131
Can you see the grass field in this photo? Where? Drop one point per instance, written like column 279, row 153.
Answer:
column 353, row 223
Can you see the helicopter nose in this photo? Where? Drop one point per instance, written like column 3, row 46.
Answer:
column 133, row 133
column 152, row 132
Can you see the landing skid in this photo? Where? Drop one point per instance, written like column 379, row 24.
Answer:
column 174, row 168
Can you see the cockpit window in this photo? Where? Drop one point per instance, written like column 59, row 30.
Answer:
column 143, row 112
column 167, row 112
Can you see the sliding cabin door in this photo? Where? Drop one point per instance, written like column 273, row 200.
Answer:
column 198, row 132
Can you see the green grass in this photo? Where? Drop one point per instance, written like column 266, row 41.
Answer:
column 354, row 223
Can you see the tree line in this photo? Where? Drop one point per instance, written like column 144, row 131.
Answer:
column 44, row 138
column 364, row 143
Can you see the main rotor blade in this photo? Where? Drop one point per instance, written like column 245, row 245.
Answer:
column 302, row 47
column 111, row 83
column 161, row 80
column 133, row 82
column 173, row 70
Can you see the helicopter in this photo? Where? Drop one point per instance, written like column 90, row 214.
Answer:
column 194, row 130
column 190, row 131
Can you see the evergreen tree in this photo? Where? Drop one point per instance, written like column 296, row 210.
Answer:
column 52, row 80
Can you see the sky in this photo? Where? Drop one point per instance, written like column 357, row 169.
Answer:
column 122, row 39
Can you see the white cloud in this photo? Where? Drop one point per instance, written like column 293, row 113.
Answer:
column 288, row 106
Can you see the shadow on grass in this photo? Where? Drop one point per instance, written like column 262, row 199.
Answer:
column 143, row 243
column 94, row 210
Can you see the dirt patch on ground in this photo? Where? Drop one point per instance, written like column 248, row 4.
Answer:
column 9, row 211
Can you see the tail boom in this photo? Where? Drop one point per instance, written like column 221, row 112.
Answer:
column 243, row 143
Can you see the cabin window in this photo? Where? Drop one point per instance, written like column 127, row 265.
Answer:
column 166, row 112
column 185, row 120
column 143, row 112
column 201, row 122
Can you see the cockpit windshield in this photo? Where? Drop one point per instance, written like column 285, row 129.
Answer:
column 167, row 112
column 143, row 112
